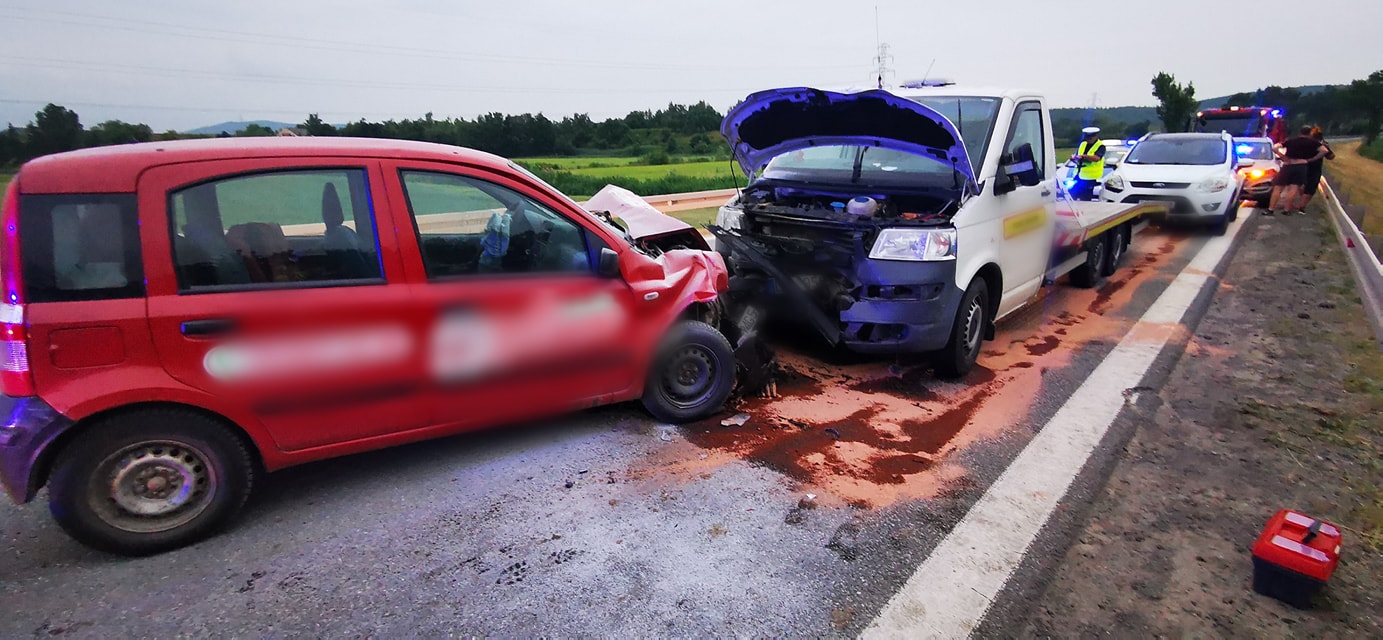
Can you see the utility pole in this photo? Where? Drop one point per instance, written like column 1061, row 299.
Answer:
column 882, row 59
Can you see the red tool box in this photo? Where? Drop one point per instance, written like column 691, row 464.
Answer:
column 1294, row 557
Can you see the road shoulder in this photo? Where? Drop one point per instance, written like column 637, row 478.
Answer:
column 1278, row 402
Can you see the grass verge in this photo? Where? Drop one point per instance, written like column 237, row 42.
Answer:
column 1362, row 179
column 697, row 217
column 1341, row 433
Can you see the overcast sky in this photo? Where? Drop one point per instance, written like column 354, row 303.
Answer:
column 185, row 63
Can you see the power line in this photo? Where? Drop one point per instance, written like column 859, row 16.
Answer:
column 81, row 65
column 245, row 37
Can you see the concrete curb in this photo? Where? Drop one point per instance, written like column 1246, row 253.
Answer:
column 1368, row 272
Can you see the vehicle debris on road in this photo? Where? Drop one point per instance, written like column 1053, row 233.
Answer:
column 736, row 420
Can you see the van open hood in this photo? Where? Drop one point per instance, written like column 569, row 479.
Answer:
column 777, row 121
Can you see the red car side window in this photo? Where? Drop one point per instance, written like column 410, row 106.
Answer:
column 280, row 228
column 468, row 226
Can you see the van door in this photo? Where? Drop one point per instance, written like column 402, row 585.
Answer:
column 522, row 326
column 271, row 282
column 1029, row 220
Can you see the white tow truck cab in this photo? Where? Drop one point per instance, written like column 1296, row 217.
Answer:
column 907, row 220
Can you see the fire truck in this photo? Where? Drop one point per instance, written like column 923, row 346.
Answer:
column 1244, row 122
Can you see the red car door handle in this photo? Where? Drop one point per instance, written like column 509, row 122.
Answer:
column 209, row 327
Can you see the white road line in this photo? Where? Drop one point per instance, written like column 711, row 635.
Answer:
column 950, row 593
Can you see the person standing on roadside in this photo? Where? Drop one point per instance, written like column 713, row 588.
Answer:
column 1314, row 170
column 1295, row 154
column 1089, row 161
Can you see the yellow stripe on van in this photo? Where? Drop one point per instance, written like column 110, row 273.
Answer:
column 1025, row 222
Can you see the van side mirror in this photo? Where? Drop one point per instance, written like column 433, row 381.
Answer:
column 608, row 266
column 1018, row 168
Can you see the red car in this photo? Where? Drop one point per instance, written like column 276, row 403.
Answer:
column 180, row 317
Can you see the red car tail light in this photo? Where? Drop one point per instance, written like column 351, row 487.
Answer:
column 16, row 380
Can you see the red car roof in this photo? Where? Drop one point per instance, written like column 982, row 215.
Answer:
column 116, row 169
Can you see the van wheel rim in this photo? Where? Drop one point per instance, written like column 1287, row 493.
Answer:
column 974, row 321
column 689, row 376
column 153, row 486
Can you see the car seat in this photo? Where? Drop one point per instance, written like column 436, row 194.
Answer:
column 344, row 255
column 204, row 256
column 265, row 251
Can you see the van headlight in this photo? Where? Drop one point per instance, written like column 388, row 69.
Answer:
column 916, row 245
column 730, row 216
column 1212, row 185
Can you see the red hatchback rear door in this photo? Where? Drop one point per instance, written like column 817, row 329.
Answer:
column 273, row 284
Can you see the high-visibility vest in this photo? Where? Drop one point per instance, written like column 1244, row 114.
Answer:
column 1091, row 170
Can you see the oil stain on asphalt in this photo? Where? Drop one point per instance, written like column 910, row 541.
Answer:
column 873, row 433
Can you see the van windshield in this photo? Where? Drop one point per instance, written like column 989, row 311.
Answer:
column 973, row 116
column 877, row 166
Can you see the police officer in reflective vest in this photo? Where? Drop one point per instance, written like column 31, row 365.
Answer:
column 1089, row 160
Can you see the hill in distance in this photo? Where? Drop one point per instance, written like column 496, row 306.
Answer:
column 1123, row 115
column 236, row 127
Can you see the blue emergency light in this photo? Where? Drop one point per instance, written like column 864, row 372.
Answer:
column 1243, row 149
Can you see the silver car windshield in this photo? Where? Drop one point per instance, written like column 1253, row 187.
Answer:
column 1254, row 150
column 1188, row 151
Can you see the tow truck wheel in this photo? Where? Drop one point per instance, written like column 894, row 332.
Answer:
column 1087, row 276
column 692, row 376
column 148, row 481
column 967, row 333
column 1118, row 242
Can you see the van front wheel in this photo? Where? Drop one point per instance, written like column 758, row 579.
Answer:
column 967, row 333
column 149, row 481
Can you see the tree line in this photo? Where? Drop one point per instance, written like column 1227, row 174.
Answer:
column 677, row 129
column 1356, row 108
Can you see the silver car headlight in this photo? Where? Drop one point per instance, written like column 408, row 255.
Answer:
column 730, row 216
column 917, row 245
column 1213, row 185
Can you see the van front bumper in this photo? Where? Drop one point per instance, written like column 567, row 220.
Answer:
column 901, row 307
column 27, row 427
column 867, row 305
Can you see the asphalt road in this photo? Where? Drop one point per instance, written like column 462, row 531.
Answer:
column 606, row 523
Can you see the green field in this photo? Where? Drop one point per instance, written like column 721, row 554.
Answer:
column 569, row 163
column 713, row 169
column 697, row 217
column 296, row 198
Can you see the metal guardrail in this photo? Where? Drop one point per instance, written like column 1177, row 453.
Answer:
column 1368, row 272
column 677, row 198
column 673, row 198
